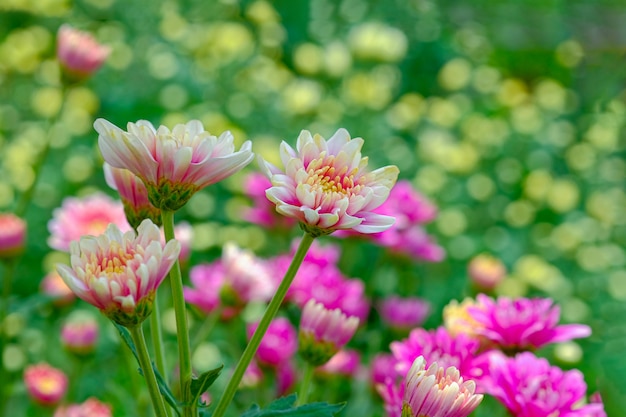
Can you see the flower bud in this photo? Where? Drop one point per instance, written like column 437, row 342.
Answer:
column 45, row 385
column 79, row 334
column 12, row 235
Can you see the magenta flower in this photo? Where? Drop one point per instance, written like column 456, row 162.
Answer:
column 438, row 392
column 403, row 313
column 134, row 195
column 279, row 344
column 529, row 387
column 207, row 281
column 286, row 377
column 346, row 362
column 92, row 407
column 382, row 368
column 486, row 271
column 83, row 216
column 119, row 273
column 45, row 384
column 323, row 332
column 326, row 186
column 12, row 235
column 522, row 323
column 79, row 53
column 263, row 211
column 79, row 333
column 172, row 164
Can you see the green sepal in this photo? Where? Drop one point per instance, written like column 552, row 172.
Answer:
column 284, row 407
column 202, row 383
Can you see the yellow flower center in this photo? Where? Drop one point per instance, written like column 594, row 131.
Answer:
column 113, row 262
column 325, row 177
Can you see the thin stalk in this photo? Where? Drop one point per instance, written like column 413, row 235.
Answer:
column 156, row 333
column 305, row 387
column 205, row 328
column 182, row 328
column 148, row 373
column 270, row 313
column 7, row 281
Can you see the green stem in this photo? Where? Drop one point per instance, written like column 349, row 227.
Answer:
column 157, row 341
column 306, row 384
column 7, row 282
column 182, row 328
column 269, row 314
column 148, row 373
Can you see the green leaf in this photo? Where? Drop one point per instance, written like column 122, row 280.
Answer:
column 202, row 383
column 284, row 407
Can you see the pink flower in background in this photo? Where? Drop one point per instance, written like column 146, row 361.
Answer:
column 486, row 271
column 172, row 164
column 412, row 241
column 522, row 323
column 78, row 52
column 438, row 392
column 12, row 235
column 408, row 206
column 183, row 231
column 263, row 211
column 120, row 272
column 78, row 217
column 403, row 313
column 318, row 254
column 346, row 362
column 323, row 332
column 79, row 333
column 382, row 368
column 457, row 319
column 529, row 386
column 53, row 285
column 207, row 281
column 92, row 407
column 134, row 195
column 45, row 384
column 326, row 185
column 253, row 375
column 286, row 377
column 279, row 343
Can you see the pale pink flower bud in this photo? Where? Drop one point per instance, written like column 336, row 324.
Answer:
column 120, row 272
column 438, row 392
column 403, row 313
column 172, row 164
column 252, row 377
column 92, row 407
column 279, row 343
column 345, row 362
column 79, row 333
column 12, row 235
column 326, row 186
column 79, row 53
column 53, row 285
column 45, row 384
column 486, row 271
column 323, row 332
column 83, row 216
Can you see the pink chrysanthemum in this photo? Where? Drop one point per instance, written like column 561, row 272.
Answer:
column 119, row 273
column 207, row 280
column 529, row 386
column 53, row 286
column 403, row 313
column 522, row 323
column 438, row 392
column 92, row 407
column 79, row 333
column 326, row 186
column 12, row 235
column 279, row 344
column 45, row 384
column 78, row 217
column 346, row 362
column 323, row 332
column 78, row 52
column 172, row 164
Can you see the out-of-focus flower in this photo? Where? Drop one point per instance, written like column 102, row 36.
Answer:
column 318, row 254
column 529, row 386
column 323, row 332
column 382, row 368
column 263, row 211
column 253, row 375
column 403, row 313
column 279, row 344
column 92, row 407
column 596, row 398
column 79, row 53
column 53, row 285
column 184, row 234
column 457, row 319
column 134, row 195
column 78, row 217
column 45, row 384
column 326, row 186
column 172, row 164
column 345, row 362
column 522, row 323
column 119, row 273
column 286, row 377
column 207, row 280
column 438, row 392
column 12, row 235
column 79, row 333
column 486, row 271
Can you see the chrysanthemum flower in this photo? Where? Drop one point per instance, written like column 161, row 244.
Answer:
column 12, row 235
column 323, row 332
column 529, row 386
column 79, row 333
column 522, row 323
column 78, row 52
column 172, row 164
column 326, row 186
column 119, row 273
column 438, row 392
column 92, row 407
column 486, row 271
column 45, row 384
column 53, row 285
column 279, row 344
column 345, row 362
column 89, row 215
column 457, row 319
column 403, row 313
column 134, row 195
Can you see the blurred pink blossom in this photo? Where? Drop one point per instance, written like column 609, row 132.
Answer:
column 53, row 285
column 92, row 407
column 345, row 362
column 45, row 384
column 12, row 235
column 286, row 377
column 78, row 52
column 403, row 313
column 486, row 271
column 253, row 375
column 382, row 367
column 279, row 344
column 263, row 211
column 79, row 333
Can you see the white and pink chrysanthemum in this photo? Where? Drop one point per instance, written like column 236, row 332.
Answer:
column 81, row 216
column 120, row 272
column 78, row 52
column 173, row 164
column 323, row 332
column 12, row 235
column 438, row 392
column 522, row 323
column 92, row 407
column 326, row 185
column 45, row 384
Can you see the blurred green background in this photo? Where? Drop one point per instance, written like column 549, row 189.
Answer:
column 507, row 114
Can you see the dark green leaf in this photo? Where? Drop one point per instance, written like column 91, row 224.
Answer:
column 203, row 382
